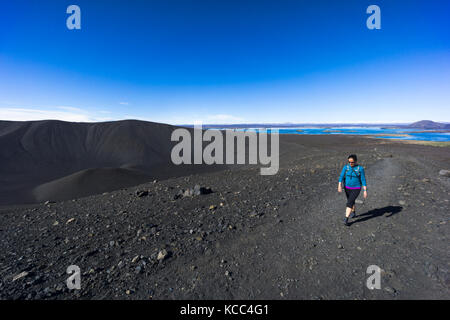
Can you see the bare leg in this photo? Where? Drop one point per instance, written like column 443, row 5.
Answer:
column 348, row 211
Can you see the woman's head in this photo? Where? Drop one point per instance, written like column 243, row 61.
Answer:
column 352, row 159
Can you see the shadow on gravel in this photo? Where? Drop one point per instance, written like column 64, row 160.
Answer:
column 377, row 213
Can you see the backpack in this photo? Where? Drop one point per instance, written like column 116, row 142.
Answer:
column 357, row 172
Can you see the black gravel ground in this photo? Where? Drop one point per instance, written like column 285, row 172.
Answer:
column 253, row 237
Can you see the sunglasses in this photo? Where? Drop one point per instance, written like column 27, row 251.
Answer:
column 351, row 162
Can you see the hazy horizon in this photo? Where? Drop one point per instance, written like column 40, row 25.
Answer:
column 248, row 123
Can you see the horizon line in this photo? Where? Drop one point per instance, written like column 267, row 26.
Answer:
column 240, row 124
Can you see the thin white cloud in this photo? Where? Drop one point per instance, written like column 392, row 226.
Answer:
column 70, row 109
column 73, row 114
column 63, row 113
column 124, row 103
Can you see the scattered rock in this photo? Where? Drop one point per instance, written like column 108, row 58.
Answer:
column 190, row 192
column 163, row 254
column 178, row 195
column 142, row 193
column 390, row 290
column 256, row 214
column 401, row 202
column 198, row 190
column 20, row 275
column 91, row 253
column 444, row 173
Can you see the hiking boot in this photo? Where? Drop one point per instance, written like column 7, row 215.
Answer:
column 346, row 221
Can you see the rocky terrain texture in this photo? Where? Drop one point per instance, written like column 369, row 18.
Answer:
column 234, row 234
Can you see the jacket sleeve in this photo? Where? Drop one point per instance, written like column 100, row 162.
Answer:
column 342, row 174
column 363, row 177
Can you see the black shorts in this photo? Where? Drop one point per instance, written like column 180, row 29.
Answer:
column 351, row 194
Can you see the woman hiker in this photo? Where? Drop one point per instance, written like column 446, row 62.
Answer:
column 353, row 178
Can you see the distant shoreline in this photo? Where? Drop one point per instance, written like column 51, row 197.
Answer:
column 407, row 134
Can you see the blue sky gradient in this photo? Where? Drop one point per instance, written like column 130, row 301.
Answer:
column 180, row 61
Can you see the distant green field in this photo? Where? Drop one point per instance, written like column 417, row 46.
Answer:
column 427, row 143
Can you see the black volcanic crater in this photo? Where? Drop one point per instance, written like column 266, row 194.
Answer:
column 57, row 160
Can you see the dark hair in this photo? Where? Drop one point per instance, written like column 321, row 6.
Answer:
column 353, row 156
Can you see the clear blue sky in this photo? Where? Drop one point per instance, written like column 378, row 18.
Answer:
column 225, row 61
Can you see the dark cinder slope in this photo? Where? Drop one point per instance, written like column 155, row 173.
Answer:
column 88, row 182
column 47, row 160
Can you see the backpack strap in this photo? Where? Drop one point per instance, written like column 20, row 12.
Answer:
column 358, row 174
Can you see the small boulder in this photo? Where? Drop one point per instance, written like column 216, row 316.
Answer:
column 163, row 254
column 196, row 191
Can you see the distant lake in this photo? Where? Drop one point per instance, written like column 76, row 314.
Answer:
column 404, row 134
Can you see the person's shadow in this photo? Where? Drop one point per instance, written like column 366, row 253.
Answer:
column 377, row 213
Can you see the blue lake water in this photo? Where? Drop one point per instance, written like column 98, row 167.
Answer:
column 412, row 134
